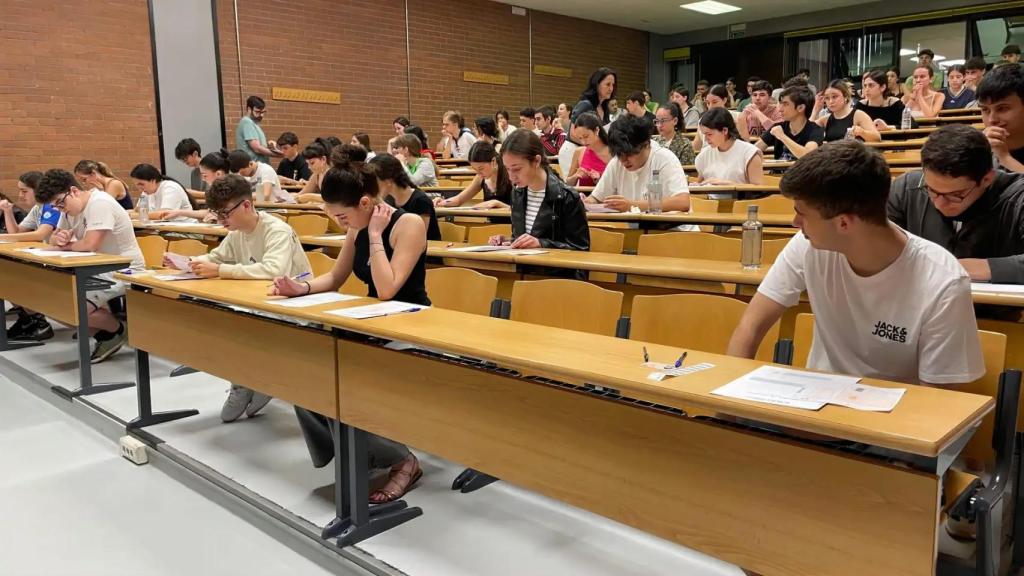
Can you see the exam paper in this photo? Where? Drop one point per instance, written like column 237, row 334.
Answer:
column 670, row 370
column 313, row 299
column 519, row 251
column 809, row 390
column 1004, row 288
column 375, row 310
column 178, row 262
column 331, row 237
column 176, row 277
column 55, row 253
column 599, row 208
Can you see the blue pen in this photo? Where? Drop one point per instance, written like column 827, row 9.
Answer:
column 680, row 361
column 301, row 276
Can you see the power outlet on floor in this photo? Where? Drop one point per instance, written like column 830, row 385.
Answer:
column 133, row 449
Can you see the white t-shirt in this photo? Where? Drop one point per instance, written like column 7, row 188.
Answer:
column 912, row 322
column 730, row 165
column 461, row 145
column 534, row 198
column 617, row 181
column 565, row 154
column 170, row 195
column 266, row 173
column 102, row 212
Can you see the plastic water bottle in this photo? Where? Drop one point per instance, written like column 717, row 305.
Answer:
column 654, row 194
column 849, row 133
column 750, row 256
column 143, row 208
column 907, row 120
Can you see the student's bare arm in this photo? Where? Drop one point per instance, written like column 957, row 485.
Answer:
column 761, row 314
column 467, row 193
column 409, row 239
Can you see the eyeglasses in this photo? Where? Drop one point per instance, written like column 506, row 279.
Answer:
column 952, row 197
column 660, row 121
column 59, row 204
column 223, row 214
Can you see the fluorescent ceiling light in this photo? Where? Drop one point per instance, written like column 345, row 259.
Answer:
column 949, row 63
column 907, row 52
column 938, row 57
column 710, row 7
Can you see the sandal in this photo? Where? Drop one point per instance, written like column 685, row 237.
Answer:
column 410, row 474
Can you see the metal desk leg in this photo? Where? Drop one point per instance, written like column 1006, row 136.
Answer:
column 341, row 519
column 146, row 416
column 470, row 480
column 183, row 370
column 363, row 521
column 5, row 345
column 86, row 387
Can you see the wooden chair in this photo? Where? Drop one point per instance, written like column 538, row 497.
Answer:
column 695, row 321
column 608, row 243
column 774, row 204
column 705, row 246
column 354, row 286
column 703, row 205
column 479, row 235
column 770, row 180
column 803, row 336
column 187, row 247
column 569, row 304
column 462, row 289
column 452, row 232
column 153, row 248
column 308, row 224
column 320, row 263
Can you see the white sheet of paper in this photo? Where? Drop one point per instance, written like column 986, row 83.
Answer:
column 809, row 390
column 47, row 253
column 331, row 237
column 187, row 224
column 519, row 251
column 1004, row 288
column 375, row 310
column 669, row 370
column 176, row 277
column 313, row 299
column 599, row 208
column 178, row 262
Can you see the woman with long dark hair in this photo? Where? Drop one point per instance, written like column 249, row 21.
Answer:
column 600, row 90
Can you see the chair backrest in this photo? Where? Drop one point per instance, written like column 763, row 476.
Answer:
column 979, row 453
column 774, row 204
column 461, row 289
column 479, row 235
column 320, row 263
column 703, row 205
column 770, row 180
column 569, row 304
column 187, row 247
column 705, row 246
column 354, row 286
column 803, row 336
column 153, row 248
column 308, row 224
column 452, row 232
column 608, row 243
column 702, row 322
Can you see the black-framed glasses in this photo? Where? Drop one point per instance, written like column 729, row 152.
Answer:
column 956, row 197
column 59, row 204
column 223, row 214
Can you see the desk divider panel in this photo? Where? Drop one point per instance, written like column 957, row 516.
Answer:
column 766, row 504
column 288, row 362
column 45, row 290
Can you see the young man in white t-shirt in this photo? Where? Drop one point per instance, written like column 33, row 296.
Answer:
column 886, row 303
column 263, row 178
column 634, row 159
column 93, row 222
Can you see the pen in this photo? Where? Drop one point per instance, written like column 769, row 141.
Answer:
column 680, row 361
column 301, row 276
column 646, row 357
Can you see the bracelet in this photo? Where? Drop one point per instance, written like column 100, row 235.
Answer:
column 376, row 252
column 308, row 287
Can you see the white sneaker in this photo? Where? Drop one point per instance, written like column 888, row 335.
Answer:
column 238, row 399
column 259, row 400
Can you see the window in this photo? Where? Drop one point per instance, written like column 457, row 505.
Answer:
column 813, row 55
column 945, row 40
column 679, row 71
column 994, row 34
column 862, row 52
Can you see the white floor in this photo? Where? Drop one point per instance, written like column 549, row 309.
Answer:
column 500, row 530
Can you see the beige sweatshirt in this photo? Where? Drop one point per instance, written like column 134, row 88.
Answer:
column 271, row 250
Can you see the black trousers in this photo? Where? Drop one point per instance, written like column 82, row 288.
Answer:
column 316, row 430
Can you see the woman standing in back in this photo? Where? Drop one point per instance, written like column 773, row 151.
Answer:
column 386, row 248
column 600, row 90
column 98, row 175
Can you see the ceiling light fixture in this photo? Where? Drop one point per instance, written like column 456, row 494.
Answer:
column 907, row 52
column 710, row 7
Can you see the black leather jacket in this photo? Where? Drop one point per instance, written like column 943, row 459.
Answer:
column 991, row 228
column 561, row 221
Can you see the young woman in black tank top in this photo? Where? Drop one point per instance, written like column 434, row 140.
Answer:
column 98, row 175
column 386, row 248
column 397, row 188
column 483, row 158
column 838, row 98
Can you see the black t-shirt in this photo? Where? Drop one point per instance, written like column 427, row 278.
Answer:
column 19, row 215
column 419, row 204
column 651, row 118
column 811, row 133
column 295, row 169
column 1018, row 155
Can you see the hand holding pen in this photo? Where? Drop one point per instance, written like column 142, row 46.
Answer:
column 285, row 286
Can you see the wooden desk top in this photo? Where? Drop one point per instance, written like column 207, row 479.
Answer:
column 924, row 422
column 999, row 298
column 11, row 251
column 206, row 230
column 669, row 218
column 299, row 207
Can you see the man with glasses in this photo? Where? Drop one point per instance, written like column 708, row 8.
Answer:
column 257, row 247
column 959, row 201
column 93, row 222
column 250, row 137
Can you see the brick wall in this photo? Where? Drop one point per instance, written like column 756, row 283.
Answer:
column 76, row 82
column 357, row 47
